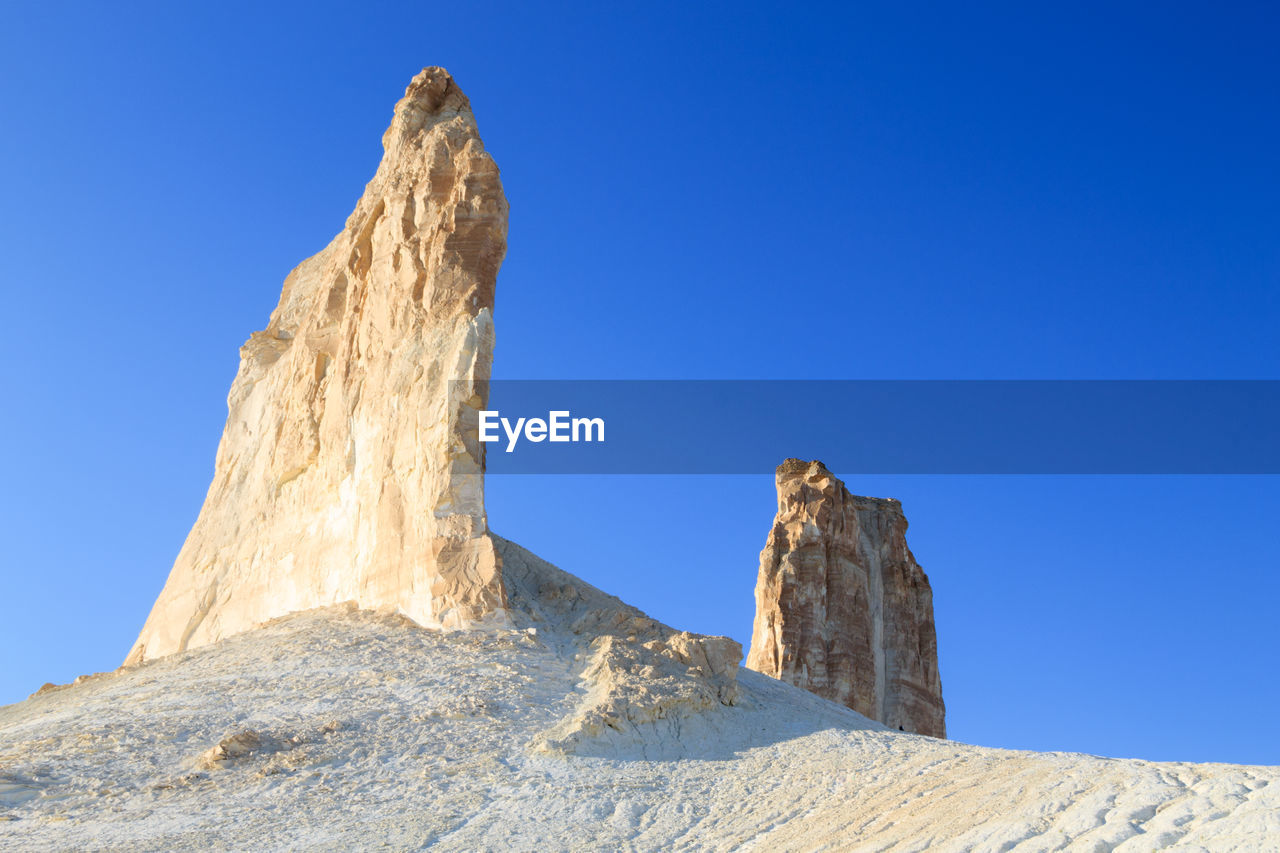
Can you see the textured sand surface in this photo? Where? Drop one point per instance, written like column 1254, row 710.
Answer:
column 372, row 733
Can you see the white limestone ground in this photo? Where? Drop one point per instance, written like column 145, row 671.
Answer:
column 371, row 733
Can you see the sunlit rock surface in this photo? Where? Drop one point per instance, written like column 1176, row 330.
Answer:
column 842, row 607
column 349, row 469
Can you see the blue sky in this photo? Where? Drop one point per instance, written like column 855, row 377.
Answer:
column 724, row 191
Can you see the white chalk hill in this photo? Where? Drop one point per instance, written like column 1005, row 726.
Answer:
column 582, row 726
column 560, row 718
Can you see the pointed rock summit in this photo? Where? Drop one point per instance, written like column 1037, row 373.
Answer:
column 842, row 608
column 350, row 469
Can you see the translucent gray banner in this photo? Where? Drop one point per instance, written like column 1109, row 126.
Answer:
column 882, row 427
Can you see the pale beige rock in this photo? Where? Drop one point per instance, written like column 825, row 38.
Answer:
column 842, row 608
column 239, row 745
column 350, row 468
column 636, row 673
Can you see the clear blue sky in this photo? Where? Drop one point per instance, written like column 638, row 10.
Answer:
column 876, row 191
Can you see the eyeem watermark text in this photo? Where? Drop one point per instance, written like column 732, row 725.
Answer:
column 558, row 426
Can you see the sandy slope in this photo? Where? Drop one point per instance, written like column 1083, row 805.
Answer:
column 374, row 734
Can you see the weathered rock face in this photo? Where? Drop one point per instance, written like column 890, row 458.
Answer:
column 842, row 608
column 350, row 467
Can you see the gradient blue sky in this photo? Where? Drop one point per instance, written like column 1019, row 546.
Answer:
column 727, row 191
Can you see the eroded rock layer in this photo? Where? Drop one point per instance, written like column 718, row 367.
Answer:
column 842, row 608
column 349, row 469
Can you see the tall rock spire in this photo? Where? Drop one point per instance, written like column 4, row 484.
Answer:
column 350, row 468
column 842, row 608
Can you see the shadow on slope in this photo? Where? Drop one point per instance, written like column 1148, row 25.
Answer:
column 650, row 692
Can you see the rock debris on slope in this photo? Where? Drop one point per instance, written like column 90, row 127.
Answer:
column 369, row 732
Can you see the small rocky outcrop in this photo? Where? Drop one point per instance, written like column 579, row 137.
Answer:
column 280, row 750
column 350, row 468
column 842, row 608
column 635, row 672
